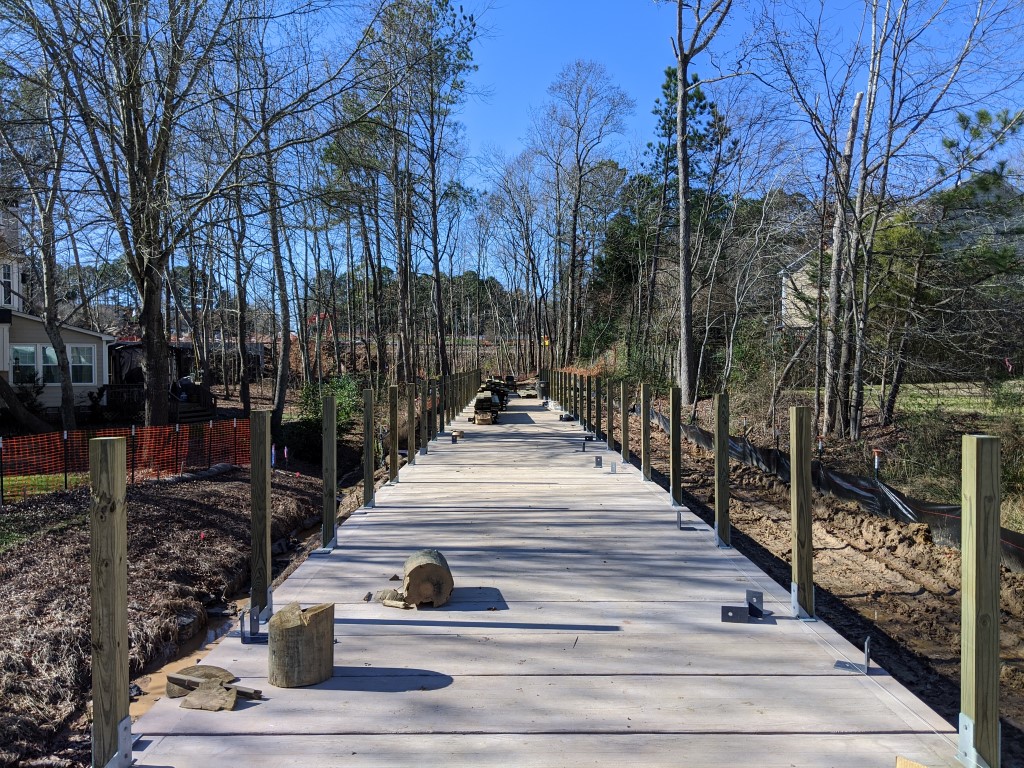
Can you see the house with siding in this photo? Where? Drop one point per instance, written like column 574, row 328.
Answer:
column 26, row 353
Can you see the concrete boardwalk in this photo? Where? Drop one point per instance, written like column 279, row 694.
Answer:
column 585, row 630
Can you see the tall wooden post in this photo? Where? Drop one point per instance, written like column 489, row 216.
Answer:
column 722, row 527
column 675, row 438
column 410, row 423
column 645, row 430
column 328, row 526
column 624, row 415
column 802, row 587
column 424, row 416
column 597, row 408
column 259, row 481
column 979, row 641
column 108, row 527
column 589, row 395
column 442, row 403
column 393, row 433
column 611, row 416
column 369, row 453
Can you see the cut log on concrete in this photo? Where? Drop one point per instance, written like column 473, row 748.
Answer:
column 188, row 683
column 211, row 696
column 202, row 672
column 301, row 645
column 428, row 579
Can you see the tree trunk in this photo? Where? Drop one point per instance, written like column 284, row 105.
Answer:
column 835, row 321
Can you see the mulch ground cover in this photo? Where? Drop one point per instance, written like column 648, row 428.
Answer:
column 188, row 549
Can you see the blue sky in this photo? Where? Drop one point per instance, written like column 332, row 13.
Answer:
column 528, row 42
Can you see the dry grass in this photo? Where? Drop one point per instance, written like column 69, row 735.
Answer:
column 1013, row 513
column 188, row 547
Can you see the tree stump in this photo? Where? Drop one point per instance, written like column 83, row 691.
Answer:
column 428, row 579
column 301, row 645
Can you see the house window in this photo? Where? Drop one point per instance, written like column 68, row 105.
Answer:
column 23, row 364
column 31, row 361
column 6, row 285
column 83, row 364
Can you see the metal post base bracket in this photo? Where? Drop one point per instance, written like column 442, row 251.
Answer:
column 123, row 757
column 752, row 612
column 865, row 668
column 252, row 634
column 966, row 753
column 798, row 612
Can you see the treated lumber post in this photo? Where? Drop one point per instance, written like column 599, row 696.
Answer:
column 802, row 585
column 442, row 403
column 979, row 641
column 424, row 393
column 410, row 425
column 624, row 414
column 259, row 480
column 369, row 453
column 393, row 433
column 108, row 530
column 611, row 416
column 589, row 394
column 722, row 528
column 675, row 437
column 597, row 408
column 330, row 471
column 645, row 430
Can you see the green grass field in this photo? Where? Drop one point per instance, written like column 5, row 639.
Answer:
column 19, row 487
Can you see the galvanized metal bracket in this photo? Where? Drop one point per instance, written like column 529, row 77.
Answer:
column 123, row 757
column 794, row 600
column 742, row 614
column 253, row 636
column 865, row 668
column 598, row 462
column 966, row 752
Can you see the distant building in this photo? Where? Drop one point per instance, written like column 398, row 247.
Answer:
column 26, row 354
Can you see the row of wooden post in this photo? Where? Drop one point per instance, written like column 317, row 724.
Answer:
column 440, row 400
column 979, row 725
column 980, row 544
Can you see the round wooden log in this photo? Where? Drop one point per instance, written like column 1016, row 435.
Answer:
column 428, row 579
column 301, row 645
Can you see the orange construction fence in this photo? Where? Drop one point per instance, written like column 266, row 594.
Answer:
column 37, row 464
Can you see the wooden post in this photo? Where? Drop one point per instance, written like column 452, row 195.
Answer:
column 645, row 430
column 675, row 437
column 330, row 471
column 108, row 526
column 802, row 586
column 722, row 528
column 611, row 416
column 393, row 433
column 442, row 403
column 589, row 395
column 624, row 415
column 597, row 408
column 369, row 453
column 424, row 393
column 259, row 481
column 979, row 641
column 410, row 426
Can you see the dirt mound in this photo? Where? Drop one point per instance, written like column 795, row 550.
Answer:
column 188, row 548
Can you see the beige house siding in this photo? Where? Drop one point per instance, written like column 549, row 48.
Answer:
column 798, row 298
column 27, row 330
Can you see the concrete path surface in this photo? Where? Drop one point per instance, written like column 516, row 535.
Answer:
column 585, row 630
